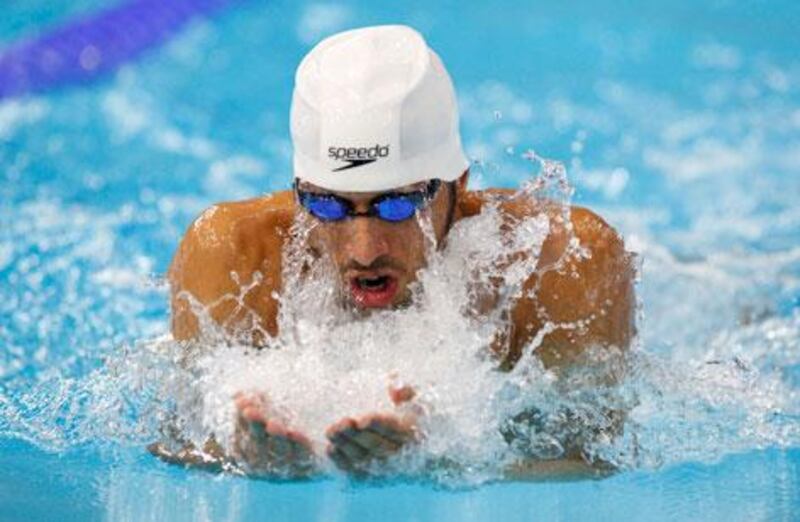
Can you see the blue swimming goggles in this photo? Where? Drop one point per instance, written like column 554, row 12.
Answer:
column 392, row 206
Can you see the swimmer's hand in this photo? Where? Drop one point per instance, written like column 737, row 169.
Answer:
column 210, row 457
column 265, row 445
column 356, row 443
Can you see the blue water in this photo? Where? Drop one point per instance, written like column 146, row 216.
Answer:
column 678, row 122
column 84, row 486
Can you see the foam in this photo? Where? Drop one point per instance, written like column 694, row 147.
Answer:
column 327, row 364
column 84, row 360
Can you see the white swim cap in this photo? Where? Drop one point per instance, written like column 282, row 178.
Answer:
column 374, row 109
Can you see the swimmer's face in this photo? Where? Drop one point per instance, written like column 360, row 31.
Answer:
column 377, row 260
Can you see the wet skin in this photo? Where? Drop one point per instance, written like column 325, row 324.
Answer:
column 365, row 249
column 357, row 442
column 246, row 237
column 264, row 442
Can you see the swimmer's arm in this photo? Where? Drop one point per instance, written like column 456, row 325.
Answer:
column 211, row 457
column 197, row 272
column 556, row 469
column 227, row 266
column 576, row 303
column 263, row 445
column 599, row 288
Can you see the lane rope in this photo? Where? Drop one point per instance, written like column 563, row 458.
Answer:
column 92, row 46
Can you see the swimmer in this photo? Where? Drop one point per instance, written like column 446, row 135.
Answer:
column 374, row 126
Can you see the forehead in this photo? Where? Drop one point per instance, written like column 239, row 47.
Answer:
column 356, row 196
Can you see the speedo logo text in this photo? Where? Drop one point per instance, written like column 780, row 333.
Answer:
column 357, row 157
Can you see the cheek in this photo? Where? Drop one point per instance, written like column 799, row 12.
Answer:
column 317, row 240
column 326, row 242
column 408, row 246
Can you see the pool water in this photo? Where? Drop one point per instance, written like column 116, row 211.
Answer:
column 85, row 485
column 678, row 123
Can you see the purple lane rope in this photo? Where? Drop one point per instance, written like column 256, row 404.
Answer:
column 94, row 45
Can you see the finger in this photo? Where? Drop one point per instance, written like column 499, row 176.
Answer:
column 338, row 457
column 242, row 399
column 354, row 436
column 242, row 424
column 340, row 426
column 253, row 413
column 376, row 444
column 257, row 401
column 254, row 445
column 382, row 425
column 401, row 394
column 389, row 428
column 243, row 448
column 257, row 430
column 243, row 433
column 352, row 450
column 294, row 454
column 279, row 449
column 398, row 439
column 248, row 436
column 385, row 419
column 159, row 450
column 251, row 439
column 368, row 437
column 277, row 444
column 299, row 439
column 239, row 400
column 301, row 448
column 276, row 428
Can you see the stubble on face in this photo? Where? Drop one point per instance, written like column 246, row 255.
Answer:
column 405, row 256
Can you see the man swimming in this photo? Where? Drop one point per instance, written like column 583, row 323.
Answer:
column 374, row 125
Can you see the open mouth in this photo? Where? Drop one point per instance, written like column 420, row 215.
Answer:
column 372, row 283
column 373, row 291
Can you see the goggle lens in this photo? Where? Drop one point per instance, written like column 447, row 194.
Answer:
column 396, row 208
column 390, row 207
column 325, row 208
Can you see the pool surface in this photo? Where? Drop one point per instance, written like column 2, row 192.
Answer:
column 678, row 122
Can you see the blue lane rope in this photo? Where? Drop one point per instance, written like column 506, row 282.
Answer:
column 95, row 45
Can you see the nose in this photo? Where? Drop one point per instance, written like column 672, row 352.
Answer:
column 367, row 241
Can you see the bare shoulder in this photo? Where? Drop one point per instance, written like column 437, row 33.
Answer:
column 582, row 294
column 224, row 233
column 592, row 228
column 589, row 228
column 598, row 240
column 229, row 246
